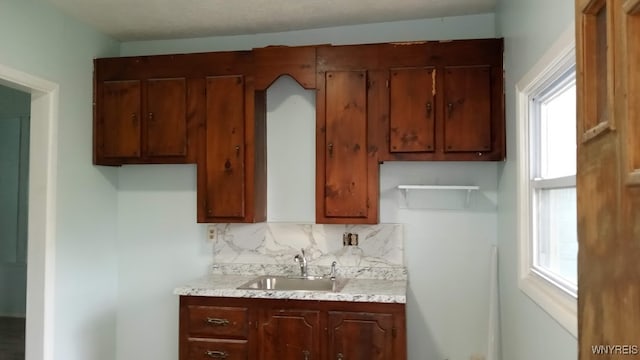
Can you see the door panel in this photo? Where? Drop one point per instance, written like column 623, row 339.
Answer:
column 632, row 17
column 467, row 109
column 290, row 334
column 412, row 110
column 225, row 162
column 346, row 144
column 608, row 196
column 360, row 336
column 120, row 120
column 166, row 117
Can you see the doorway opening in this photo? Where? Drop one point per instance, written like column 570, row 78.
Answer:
column 14, row 176
column 40, row 256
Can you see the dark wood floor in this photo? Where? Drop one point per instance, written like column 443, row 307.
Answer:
column 11, row 338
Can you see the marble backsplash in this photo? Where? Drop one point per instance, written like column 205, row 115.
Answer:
column 277, row 243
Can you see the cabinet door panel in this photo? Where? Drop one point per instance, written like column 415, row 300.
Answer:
column 166, row 117
column 360, row 336
column 412, row 110
column 467, row 109
column 225, row 164
column 290, row 334
column 346, row 144
column 120, row 120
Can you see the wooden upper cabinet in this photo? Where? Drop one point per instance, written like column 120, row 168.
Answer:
column 232, row 168
column 467, row 109
column 412, row 110
column 343, row 165
column 445, row 102
column 140, row 118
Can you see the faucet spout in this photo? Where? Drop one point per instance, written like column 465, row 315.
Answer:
column 302, row 261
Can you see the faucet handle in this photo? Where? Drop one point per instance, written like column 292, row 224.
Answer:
column 332, row 273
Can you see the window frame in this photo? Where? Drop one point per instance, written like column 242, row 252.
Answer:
column 554, row 298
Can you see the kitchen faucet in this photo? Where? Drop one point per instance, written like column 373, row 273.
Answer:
column 302, row 261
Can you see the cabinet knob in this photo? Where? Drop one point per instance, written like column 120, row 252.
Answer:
column 237, row 150
column 429, row 109
column 450, row 108
column 306, row 354
column 340, row 356
column 330, row 148
column 134, row 117
column 214, row 354
column 150, row 116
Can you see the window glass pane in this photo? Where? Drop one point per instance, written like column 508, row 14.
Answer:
column 558, row 134
column 557, row 247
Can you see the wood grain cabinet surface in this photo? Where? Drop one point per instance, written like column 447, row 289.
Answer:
column 428, row 101
column 447, row 106
column 271, row 329
column 140, row 119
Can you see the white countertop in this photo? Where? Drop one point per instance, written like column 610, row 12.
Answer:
column 391, row 290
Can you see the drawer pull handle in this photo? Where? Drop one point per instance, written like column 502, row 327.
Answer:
column 340, row 356
column 217, row 322
column 217, row 354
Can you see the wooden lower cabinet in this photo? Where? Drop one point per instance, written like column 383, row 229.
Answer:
column 270, row 329
column 361, row 336
column 289, row 334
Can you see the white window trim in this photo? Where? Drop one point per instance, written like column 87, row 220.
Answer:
column 561, row 305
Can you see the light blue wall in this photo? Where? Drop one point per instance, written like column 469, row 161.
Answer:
column 38, row 39
column 14, row 169
column 447, row 252
column 528, row 333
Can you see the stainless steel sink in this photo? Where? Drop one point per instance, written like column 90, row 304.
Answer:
column 289, row 283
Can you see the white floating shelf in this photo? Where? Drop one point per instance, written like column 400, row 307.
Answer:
column 468, row 188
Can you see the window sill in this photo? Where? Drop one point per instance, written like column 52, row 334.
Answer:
column 560, row 305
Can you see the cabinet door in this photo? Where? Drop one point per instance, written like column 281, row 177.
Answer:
column 289, row 334
column 361, row 336
column 224, row 158
column 345, row 145
column 467, row 112
column 166, row 124
column 412, row 110
column 119, row 129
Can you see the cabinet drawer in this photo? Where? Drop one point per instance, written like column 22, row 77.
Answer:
column 218, row 349
column 215, row 321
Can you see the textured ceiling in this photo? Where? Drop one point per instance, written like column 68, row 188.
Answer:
column 128, row 20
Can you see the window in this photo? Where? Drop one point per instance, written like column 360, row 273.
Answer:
column 547, row 218
column 552, row 175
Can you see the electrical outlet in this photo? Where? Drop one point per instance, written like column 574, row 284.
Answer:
column 349, row 239
column 211, row 233
column 354, row 240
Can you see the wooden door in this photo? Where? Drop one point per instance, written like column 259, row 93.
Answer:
column 412, row 110
column 119, row 126
column 289, row 335
column 467, row 109
column 608, row 178
column 343, row 175
column 361, row 336
column 166, row 123
column 225, row 148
